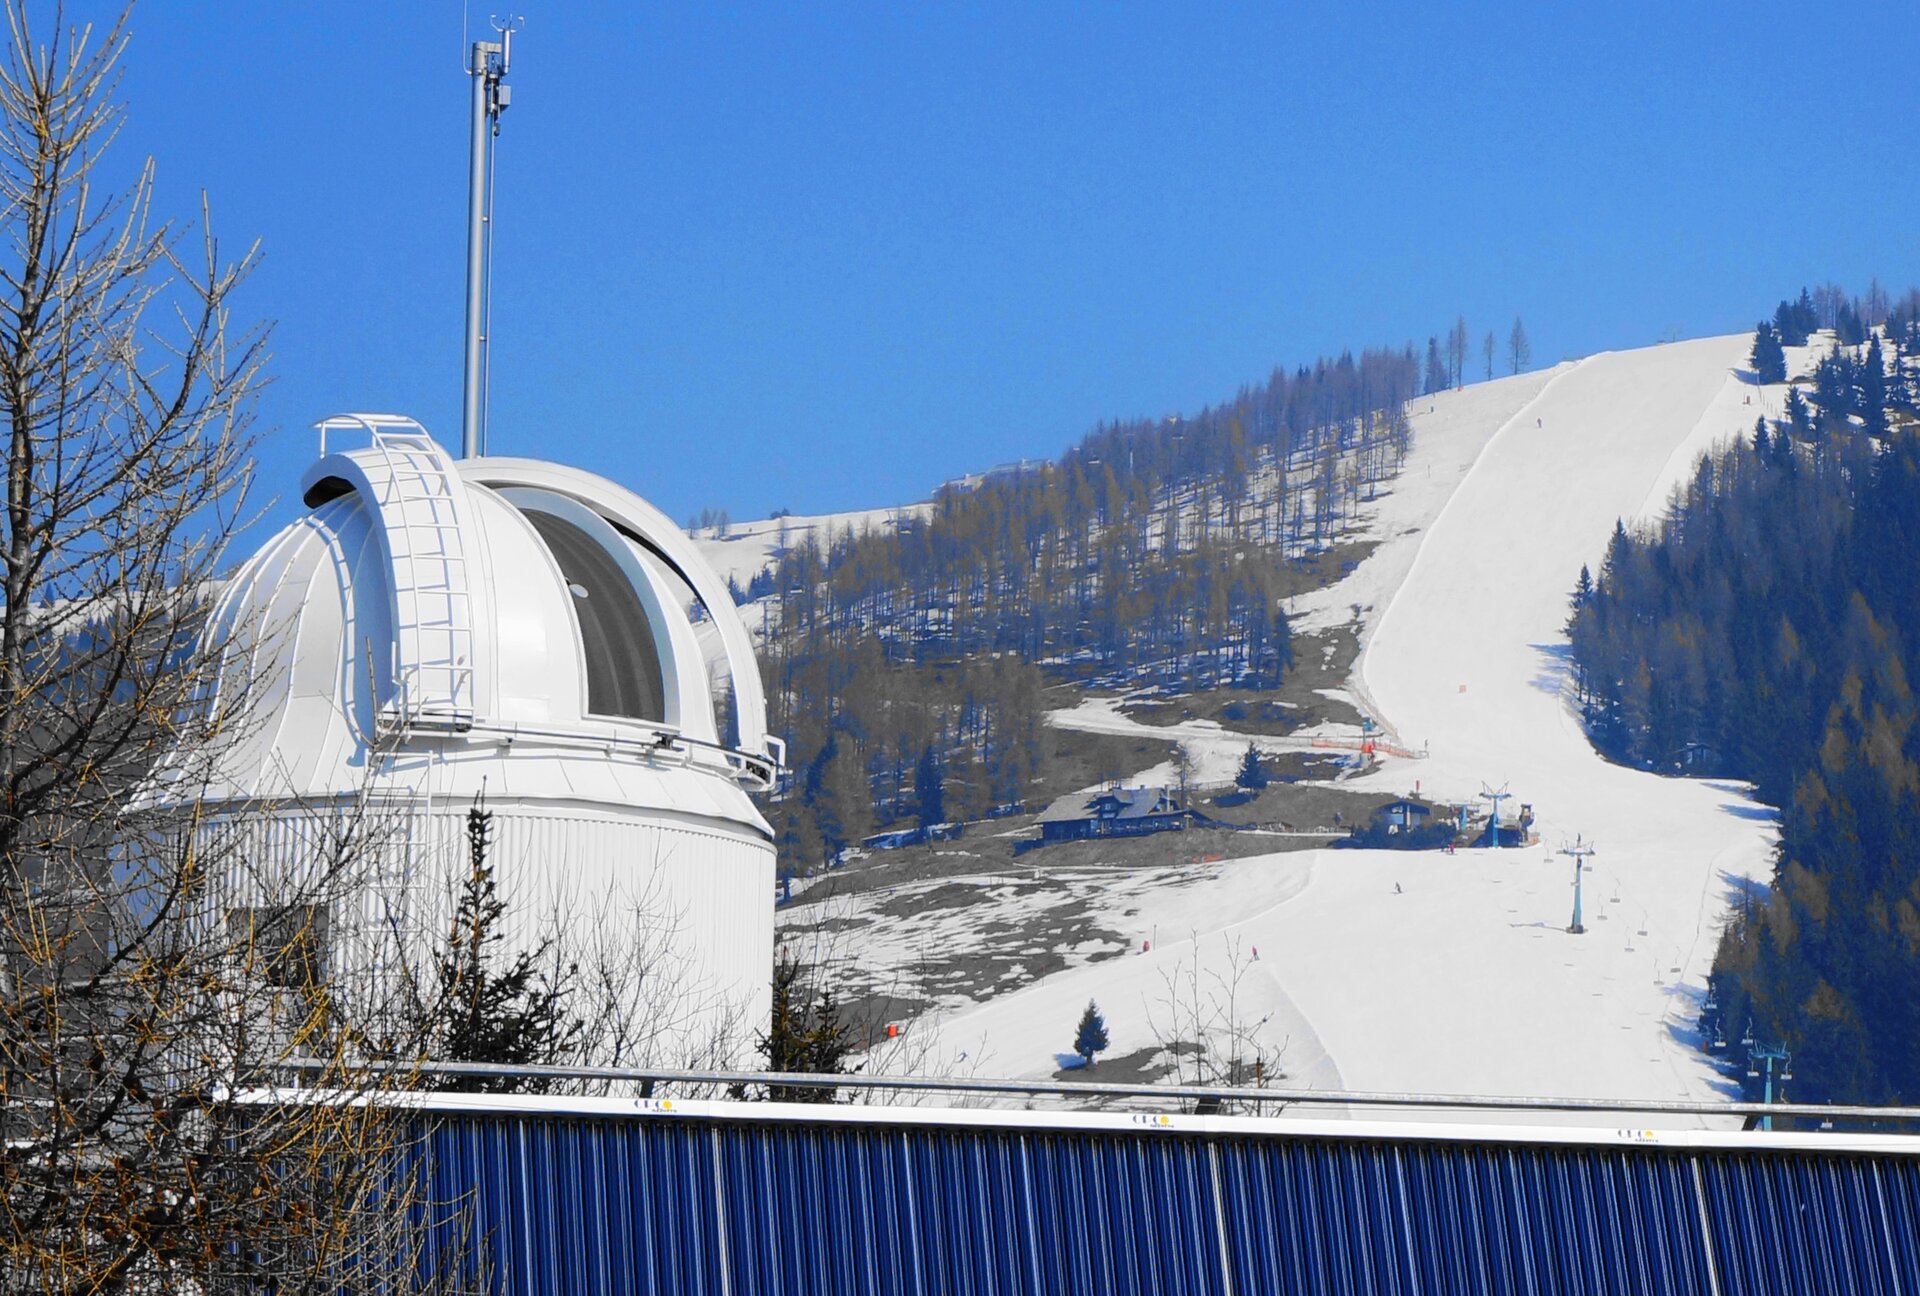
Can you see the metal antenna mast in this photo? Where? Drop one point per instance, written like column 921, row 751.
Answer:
column 487, row 67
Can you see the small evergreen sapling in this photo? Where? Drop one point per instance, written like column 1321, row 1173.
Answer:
column 1091, row 1036
column 487, row 1012
column 805, row 1034
column 1253, row 775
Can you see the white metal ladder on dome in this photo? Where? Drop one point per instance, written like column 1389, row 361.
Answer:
column 433, row 625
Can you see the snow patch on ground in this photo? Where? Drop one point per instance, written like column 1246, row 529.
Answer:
column 1216, row 750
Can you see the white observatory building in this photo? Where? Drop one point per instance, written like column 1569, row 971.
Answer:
column 437, row 630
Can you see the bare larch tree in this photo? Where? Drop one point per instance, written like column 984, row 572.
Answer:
column 130, row 995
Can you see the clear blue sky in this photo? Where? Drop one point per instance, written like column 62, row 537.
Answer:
column 824, row 256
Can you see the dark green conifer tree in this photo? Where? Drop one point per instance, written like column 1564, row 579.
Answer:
column 486, row 1010
column 1873, row 390
column 1799, row 417
column 1582, row 598
column 1769, row 361
column 1090, row 1036
column 1805, row 317
column 1848, row 327
column 1280, row 647
column 1786, row 325
column 1253, row 775
column 1619, row 553
column 805, row 1034
column 928, row 791
column 1436, row 368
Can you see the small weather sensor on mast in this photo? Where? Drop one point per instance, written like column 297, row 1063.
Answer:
column 487, row 66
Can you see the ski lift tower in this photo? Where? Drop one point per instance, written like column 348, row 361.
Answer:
column 1496, row 797
column 1581, row 851
column 487, row 66
column 1760, row 1060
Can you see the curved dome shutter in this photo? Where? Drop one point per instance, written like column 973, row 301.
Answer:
column 623, row 662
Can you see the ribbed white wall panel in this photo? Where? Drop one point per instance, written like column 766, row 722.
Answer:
column 683, row 912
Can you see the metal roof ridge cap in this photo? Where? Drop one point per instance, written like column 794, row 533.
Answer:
column 1146, row 1122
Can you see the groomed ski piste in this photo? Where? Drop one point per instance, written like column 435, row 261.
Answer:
column 1439, row 973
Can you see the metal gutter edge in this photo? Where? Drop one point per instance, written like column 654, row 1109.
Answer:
column 1144, row 1122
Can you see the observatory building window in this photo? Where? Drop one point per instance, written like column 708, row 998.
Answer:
column 284, row 946
column 623, row 662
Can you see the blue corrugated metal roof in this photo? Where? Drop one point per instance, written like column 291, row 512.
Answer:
column 1814, row 1224
column 745, row 1198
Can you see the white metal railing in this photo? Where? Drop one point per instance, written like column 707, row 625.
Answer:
column 652, row 1079
column 755, row 770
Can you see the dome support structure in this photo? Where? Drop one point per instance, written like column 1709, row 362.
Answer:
column 435, row 631
column 439, row 595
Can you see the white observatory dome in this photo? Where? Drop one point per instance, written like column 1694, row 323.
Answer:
column 436, row 631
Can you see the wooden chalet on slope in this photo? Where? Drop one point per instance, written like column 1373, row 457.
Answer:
column 1112, row 812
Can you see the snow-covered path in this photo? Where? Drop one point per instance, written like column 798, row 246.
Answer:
column 1454, row 974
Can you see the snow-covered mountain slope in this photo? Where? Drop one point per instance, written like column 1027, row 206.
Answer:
column 1454, row 973
column 1450, row 429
